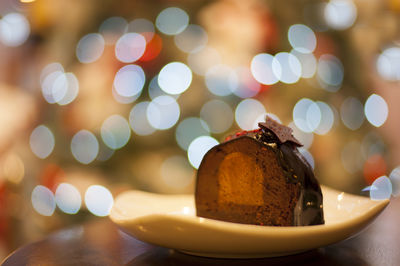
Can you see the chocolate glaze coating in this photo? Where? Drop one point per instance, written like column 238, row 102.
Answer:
column 308, row 210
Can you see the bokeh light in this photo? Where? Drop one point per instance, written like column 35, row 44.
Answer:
column 57, row 86
column 204, row 59
column 340, row 14
column 305, row 138
column 248, row 113
column 48, row 85
column 308, row 63
column 381, row 189
column 43, row 200
column 189, row 129
column 153, row 47
column 218, row 115
column 374, row 167
column 115, row 132
column 313, row 116
column 261, row 68
column 247, row 86
column 14, row 29
column 307, row 115
column 154, row 89
column 172, row 21
column 112, row 29
column 138, row 119
column 84, row 146
column 68, row 198
column 327, row 119
column 395, row 180
column 12, row 168
column 302, row 38
column 99, row 200
column 130, row 47
column 129, row 80
column 65, row 88
column 163, row 112
column 176, row 172
column 330, row 72
column 221, row 80
column 142, row 25
column 388, row 64
column 352, row 113
column 198, row 148
column 376, row 110
column 42, row 141
column 50, row 68
column 90, row 48
column 192, row 39
column 175, row 78
column 286, row 67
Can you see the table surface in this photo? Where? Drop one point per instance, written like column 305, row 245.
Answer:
column 101, row 243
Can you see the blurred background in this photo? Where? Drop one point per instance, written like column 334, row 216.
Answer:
column 99, row 98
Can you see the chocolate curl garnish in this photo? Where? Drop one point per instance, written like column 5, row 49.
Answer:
column 283, row 133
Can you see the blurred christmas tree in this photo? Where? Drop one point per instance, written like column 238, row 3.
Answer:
column 131, row 94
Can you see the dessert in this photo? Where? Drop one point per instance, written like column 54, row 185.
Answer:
column 259, row 177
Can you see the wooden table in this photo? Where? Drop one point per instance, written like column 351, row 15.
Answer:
column 101, row 243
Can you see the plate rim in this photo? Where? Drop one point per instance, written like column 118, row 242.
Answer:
column 346, row 229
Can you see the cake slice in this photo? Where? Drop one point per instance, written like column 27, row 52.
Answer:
column 259, row 177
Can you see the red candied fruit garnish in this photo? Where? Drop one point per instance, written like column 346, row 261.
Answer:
column 242, row 133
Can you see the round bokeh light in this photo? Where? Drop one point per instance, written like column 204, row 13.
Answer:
column 261, row 68
column 198, row 148
column 376, row 110
column 221, row 80
column 248, row 112
column 189, row 129
column 381, row 189
column 175, row 78
column 302, row 38
column 138, row 119
column 14, row 29
column 163, row 112
column 115, row 132
column 218, row 115
column 84, row 146
column 192, row 39
column 43, row 200
column 129, row 80
column 42, row 141
column 99, row 200
column 68, row 198
column 172, row 21
column 130, row 47
column 90, row 48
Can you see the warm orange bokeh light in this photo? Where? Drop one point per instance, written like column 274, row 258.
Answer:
column 153, row 48
column 51, row 176
column 374, row 167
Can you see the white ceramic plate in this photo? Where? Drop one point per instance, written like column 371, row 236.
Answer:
column 171, row 221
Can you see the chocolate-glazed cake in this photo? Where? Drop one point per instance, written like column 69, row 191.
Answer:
column 259, row 177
